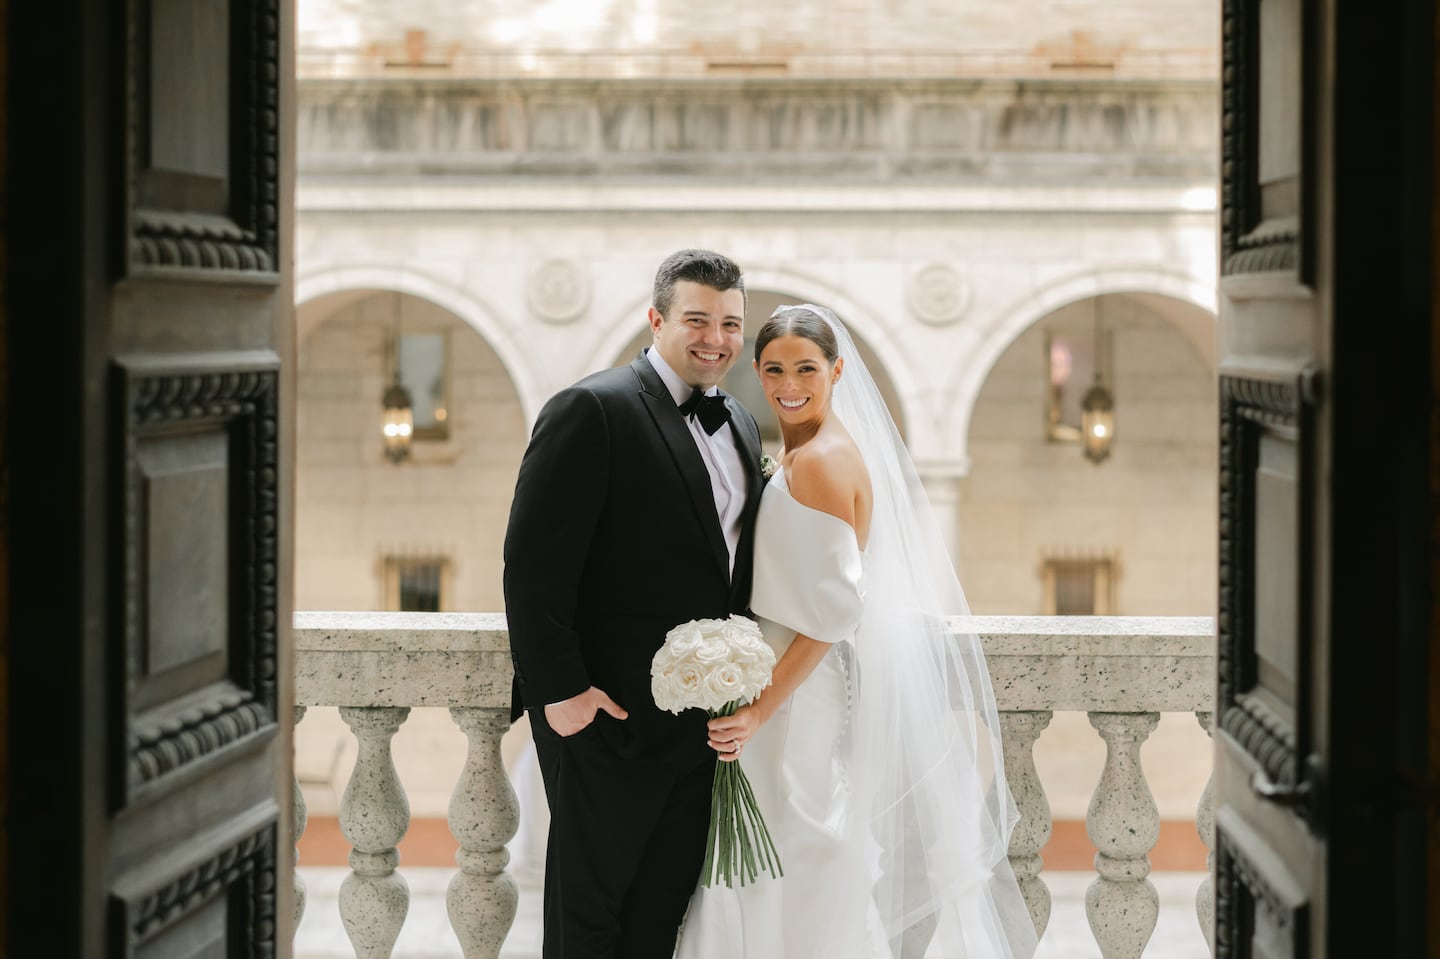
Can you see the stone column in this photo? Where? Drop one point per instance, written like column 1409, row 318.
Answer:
column 484, row 814
column 374, row 814
column 942, row 487
column 1019, row 730
column 1124, row 824
column 1205, row 826
column 301, row 818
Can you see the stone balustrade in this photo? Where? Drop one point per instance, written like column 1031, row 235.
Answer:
column 1121, row 671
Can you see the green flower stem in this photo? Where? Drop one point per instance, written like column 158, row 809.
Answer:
column 772, row 855
column 738, row 845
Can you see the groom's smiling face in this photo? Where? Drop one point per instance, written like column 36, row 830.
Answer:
column 703, row 333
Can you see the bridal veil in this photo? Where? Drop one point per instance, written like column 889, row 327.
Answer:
column 922, row 753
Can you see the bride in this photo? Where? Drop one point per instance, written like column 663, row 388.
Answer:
column 875, row 753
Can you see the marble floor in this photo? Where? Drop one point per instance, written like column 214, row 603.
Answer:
column 426, row 933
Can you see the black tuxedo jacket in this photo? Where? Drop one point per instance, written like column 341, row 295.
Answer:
column 614, row 539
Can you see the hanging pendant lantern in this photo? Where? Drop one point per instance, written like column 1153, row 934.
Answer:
column 397, row 422
column 1097, row 408
column 1097, row 421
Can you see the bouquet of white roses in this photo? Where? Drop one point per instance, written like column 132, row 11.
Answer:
column 718, row 665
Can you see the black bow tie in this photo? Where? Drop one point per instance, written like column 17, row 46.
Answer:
column 710, row 410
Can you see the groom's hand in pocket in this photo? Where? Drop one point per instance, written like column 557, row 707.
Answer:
column 569, row 716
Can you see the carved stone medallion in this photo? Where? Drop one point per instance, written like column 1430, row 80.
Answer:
column 937, row 294
column 559, row 291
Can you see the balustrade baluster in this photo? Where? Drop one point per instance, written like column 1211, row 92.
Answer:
column 1205, row 826
column 374, row 814
column 301, row 818
column 1124, row 824
column 1019, row 731
column 484, row 815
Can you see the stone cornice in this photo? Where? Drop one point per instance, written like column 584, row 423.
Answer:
column 923, row 131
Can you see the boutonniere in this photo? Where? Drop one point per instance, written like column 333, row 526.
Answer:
column 768, row 465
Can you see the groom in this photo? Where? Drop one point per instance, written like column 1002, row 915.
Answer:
column 633, row 513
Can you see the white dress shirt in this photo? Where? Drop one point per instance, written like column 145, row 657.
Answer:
column 721, row 456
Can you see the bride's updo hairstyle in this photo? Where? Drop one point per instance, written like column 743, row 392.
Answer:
column 798, row 321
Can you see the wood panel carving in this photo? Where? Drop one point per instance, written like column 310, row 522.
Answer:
column 202, row 104
column 1266, row 197
column 1249, row 904
column 1265, row 714
column 228, row 899
column 198, row 444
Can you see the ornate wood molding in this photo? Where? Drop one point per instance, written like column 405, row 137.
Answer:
column 244, row 871
column 235, row 397
column 1269, row 248
column 1241, row 888
column 1248, row 407
column 239, row 234
column 1249, row 242
column 1236, row 127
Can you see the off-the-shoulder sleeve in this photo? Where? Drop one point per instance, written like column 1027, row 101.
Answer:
column 809, row 574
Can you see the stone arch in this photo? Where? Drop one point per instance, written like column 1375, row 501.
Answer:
column 969, row 375
column 314, row 286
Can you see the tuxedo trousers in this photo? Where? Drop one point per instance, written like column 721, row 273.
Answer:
column 626, row 844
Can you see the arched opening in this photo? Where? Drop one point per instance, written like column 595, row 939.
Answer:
column 1042, row 529
column 425, row 533
column 742, row 383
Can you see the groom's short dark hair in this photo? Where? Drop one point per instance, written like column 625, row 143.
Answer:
column 698, row 266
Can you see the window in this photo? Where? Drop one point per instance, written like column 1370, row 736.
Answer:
column 1078, row 587
column 421, row 360
column 415, row 585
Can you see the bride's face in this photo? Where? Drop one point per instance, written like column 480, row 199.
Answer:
column 797, row 379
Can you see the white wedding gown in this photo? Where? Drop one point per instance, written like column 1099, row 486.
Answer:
column 809, row 578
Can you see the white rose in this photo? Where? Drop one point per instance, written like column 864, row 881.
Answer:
column 758, row 654
column 712, row 650
column 660, row 691
column 688, row 681
column 684, row 638
column 726, row 682
column 757, row 677
column 663, row 660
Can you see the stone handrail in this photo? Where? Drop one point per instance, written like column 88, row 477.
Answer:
column 1121, row 671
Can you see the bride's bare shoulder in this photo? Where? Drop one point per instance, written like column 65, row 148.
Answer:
column 827, row 476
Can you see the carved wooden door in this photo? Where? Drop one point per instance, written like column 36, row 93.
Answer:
column 148, row 324
column 1326, row 377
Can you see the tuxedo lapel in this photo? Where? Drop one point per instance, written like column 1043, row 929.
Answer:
column 747, row 441
column 671, row 426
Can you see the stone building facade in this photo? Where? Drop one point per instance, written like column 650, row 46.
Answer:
column 941, row 219
column 964, row 189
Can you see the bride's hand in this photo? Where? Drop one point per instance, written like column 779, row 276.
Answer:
column 729, row 734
